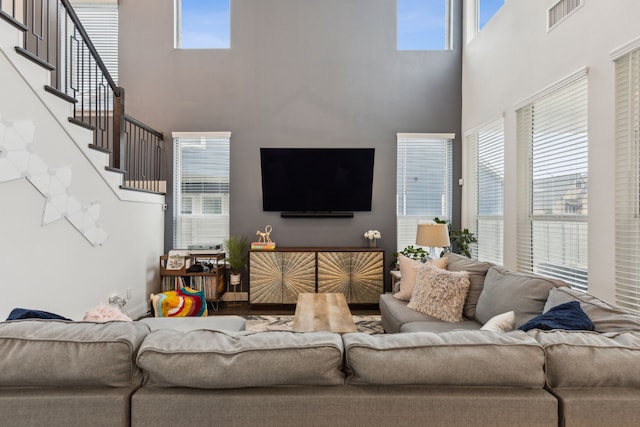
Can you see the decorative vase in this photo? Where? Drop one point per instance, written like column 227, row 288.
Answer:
column 372, row 243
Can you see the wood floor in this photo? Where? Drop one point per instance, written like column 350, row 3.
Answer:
column 245, row 309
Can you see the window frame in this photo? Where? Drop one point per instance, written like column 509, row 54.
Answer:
column 488, row 149
column 215, row 226
column 627, row 187
column 448, row 25
column 178, row 24
column 533, row 129
column 406, row 224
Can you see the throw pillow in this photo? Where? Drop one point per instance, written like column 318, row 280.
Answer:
column 181, row 303
column 408, row 270
column 440, row 293
column 504, row 322
column 568, row 316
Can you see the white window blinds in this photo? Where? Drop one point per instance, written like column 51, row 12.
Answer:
column 201, row 188
column 627, row 208
column 101, row 23
column 486, row 163
column 423, row 182
column 552, row 173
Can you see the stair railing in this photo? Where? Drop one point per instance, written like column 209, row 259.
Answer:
column 55, row 38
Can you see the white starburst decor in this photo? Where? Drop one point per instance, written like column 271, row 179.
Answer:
column 17, row 160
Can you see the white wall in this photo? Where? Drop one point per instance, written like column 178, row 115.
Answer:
column 512, row 59
column 54, row 267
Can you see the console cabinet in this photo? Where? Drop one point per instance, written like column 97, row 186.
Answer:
column 278, row 276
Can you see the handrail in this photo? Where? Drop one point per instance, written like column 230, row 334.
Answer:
column 143, row 126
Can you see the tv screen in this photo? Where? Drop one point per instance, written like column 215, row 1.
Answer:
column 317, row 179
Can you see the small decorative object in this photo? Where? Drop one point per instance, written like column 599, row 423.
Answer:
column 265, row 236
column 373, row 236
column 264, row 242
column 105, row 313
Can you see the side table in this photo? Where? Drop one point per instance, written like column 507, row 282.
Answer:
column 395, row 281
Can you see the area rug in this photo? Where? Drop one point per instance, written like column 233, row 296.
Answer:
column 369, row 324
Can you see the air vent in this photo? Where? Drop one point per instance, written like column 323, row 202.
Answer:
column 560, row 11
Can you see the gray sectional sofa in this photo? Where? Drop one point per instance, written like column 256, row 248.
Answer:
column 60, row 373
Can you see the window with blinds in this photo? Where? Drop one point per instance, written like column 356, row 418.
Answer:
column 423, row 182
column 101, row 22
column 627, row 207
column 486, row 164
column 553, row 183
column 201, row 188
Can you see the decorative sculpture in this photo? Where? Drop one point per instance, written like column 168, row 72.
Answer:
column 265, row 236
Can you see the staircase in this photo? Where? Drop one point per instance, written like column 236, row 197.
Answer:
column 73, row 234
column 57, row 41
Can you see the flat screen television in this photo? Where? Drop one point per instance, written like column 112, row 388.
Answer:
column 317, row 181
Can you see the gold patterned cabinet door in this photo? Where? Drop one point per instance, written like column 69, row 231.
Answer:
column 298, row 275
column 334, row 273
column 265, row 277
column 367, row 277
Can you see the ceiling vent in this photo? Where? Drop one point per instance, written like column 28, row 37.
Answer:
column 560, row 11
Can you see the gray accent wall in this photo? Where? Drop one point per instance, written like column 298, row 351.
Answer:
column 300, row 73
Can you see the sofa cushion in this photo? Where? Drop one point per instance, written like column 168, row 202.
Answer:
column 605, row 317
column 590, row 359
column 394, row 313
column 52, row 353
column 568, row 316
column 440, row 293
column 409, row 269
column 437, row 325
column 506, row 290
column 477, row 271
column 459, row 358
column 214, row 360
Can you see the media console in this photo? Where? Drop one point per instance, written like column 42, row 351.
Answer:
column 278, row 276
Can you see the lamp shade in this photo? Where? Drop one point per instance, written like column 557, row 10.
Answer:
column 433, row 235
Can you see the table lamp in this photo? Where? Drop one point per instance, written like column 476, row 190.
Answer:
column 433, row 236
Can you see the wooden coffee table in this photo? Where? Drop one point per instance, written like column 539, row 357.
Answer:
column 323, row 312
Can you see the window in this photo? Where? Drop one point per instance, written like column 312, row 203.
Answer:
column 628, row 180
column 552, row 186
column 201, row 188
column 203, row 24
column 424, row 24
column 423, row 182
column 101, row 22
column 486, row 161
column 486, row 10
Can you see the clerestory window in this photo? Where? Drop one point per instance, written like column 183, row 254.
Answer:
column 424, row 25
column 203, row 24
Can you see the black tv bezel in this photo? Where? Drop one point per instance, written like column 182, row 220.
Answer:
column 368, row 155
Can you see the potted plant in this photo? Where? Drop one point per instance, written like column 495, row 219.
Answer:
column 417, row 254
column 236, row 253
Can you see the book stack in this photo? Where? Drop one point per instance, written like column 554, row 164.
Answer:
column 263, row 246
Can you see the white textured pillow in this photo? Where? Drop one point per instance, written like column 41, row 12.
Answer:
column 409, row 269
column 504, row 322
column 440, row 293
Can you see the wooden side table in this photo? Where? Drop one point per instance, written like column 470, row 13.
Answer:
column 395, row 281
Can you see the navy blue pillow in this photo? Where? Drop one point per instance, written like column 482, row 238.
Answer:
column 567, row 316
column 25, row 313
